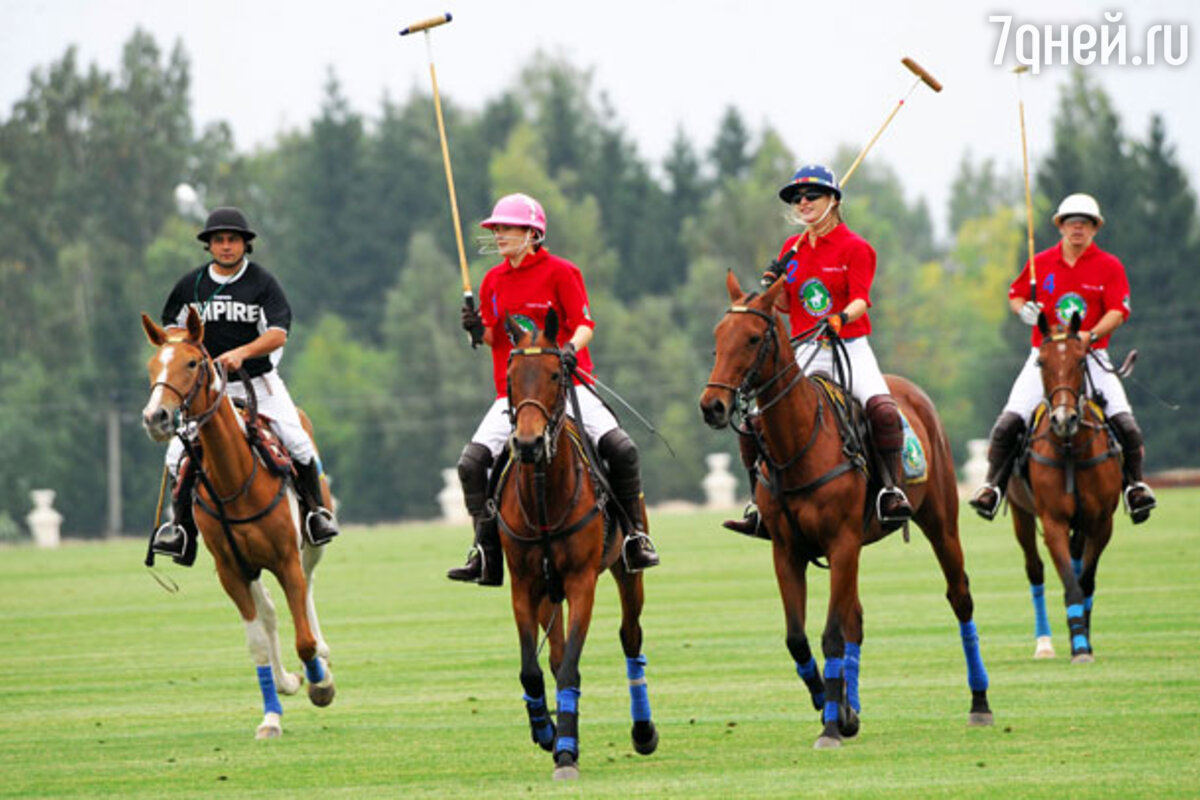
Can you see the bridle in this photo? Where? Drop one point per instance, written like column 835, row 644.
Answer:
column 555, row 418
column 186, row 425
column 751, row 388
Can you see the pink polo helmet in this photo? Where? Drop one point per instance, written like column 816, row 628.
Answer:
column 517, row 209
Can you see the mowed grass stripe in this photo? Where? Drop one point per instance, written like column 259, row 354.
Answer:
column 114, row 686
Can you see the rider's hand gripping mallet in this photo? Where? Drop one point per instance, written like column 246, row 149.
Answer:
column 468, row 295
column 923, row 76
column 1028, row 197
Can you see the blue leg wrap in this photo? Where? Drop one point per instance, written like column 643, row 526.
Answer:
column 639, row 694
column 1041, row 622
column 833, row 671
column 315, row 670
column 853, row 652
column 1079, row 640
column 539, row 719
column 977, row 677
column 1087, row 602
column 1077, row 566
column 266, row 682
column 568, row 719
column 808, row 674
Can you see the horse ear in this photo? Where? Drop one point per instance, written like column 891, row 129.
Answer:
column 551, row 331
column 155, row 334
column 772, row 293
column 731, row 283
column 1043, row 325
column 1076, row 322
column 195, row 325
column 512, row 329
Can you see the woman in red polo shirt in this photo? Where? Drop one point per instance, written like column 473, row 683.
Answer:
column 1074, row 276
column 829, row 271
column 525, row 285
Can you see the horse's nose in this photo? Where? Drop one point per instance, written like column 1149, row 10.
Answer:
column 529, row 450
column 156, row 421
column 716, row 413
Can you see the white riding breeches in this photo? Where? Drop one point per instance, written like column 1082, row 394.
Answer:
column 1027, row 391
column 275, row 402
column 494, row 429
column 865, row 378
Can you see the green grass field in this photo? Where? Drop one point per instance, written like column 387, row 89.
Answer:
column 113, row 687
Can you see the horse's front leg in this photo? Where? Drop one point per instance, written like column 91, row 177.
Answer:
column 841, row 642
column 286, row 682
column 526, row 613
column 310, row 556
column 1094, row 544
column 791, row 573
column 580, row 591
column 1025, row 528
column 1057, row 532
column 629, row 585
column 259, row 643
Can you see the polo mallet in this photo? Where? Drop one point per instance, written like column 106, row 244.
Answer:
column 924, row 77
column 1028, row 197
column 468, row 295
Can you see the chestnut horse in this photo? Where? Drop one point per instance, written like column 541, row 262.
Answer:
column 248, row 517
column 813, row 500
column 1074, row 486
column 557, row 540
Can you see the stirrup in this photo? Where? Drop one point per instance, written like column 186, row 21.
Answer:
column 984, row 510
column 749, row 525
column 173, row 540
column 1141, row 513
column 642, row 545
column 317, row 534
column 905, row 510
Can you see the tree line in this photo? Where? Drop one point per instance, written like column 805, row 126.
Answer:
column 353, row 218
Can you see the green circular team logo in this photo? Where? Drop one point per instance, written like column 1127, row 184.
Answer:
column 817, row 299
column 525, row 323
column 1068, row 305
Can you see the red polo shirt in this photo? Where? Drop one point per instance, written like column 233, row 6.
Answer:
column 1095, row 285
column 823, row 279
column 541, row 282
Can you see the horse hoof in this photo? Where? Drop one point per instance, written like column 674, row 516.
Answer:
column 848, row 723
column 645, row 743
column 827, row 743
column 566, row 773
column 270, row 727
column 290, row 683
column 980, row 719
column 1045, row 648
column 1082, row 658
column 321, row 694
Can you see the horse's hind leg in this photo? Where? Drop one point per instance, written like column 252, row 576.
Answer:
column 310, row 556
column 259, row 643
column 1025, row 528
column 629, row 585
column 286, row 682
column 941, row 529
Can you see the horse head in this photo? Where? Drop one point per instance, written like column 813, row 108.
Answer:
column 181, row 372
column 747, row 349
column 537, row 389
column 1062, row 359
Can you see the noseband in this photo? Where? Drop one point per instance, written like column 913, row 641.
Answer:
column 183, row 421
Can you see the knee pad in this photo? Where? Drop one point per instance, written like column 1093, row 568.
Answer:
column 884, row 417
column 617, row 448
column 473, row 467
column 1128, row 431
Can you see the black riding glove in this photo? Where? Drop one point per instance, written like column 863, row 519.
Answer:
column 472, row 323
column 570, row 358
column 774, row 270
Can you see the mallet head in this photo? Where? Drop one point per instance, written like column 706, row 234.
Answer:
column 922, row 73
column 426, row 24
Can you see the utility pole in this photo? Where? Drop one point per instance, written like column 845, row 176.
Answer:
column 115, row 523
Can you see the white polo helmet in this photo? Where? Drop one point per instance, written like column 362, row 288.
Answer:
column 1079, row 204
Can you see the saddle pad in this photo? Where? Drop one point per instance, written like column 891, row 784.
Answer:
column 916, row 468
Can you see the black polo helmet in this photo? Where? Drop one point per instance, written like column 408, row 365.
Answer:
column 226, row 218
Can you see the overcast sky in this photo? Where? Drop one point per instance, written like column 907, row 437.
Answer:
column 820, row 73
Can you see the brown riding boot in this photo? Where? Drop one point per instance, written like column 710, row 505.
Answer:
column 1002, row 457
column 1139, row 499
column 887, row 433
column 485, row 564
column 751, row 522
column 624, row 474
column 177, row 538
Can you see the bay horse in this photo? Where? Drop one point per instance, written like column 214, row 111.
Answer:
column 248, row 518
column 813, row 500
column 557, row 539
column 1071, row 483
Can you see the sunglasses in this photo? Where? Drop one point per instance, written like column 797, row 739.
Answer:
column 811, row 195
